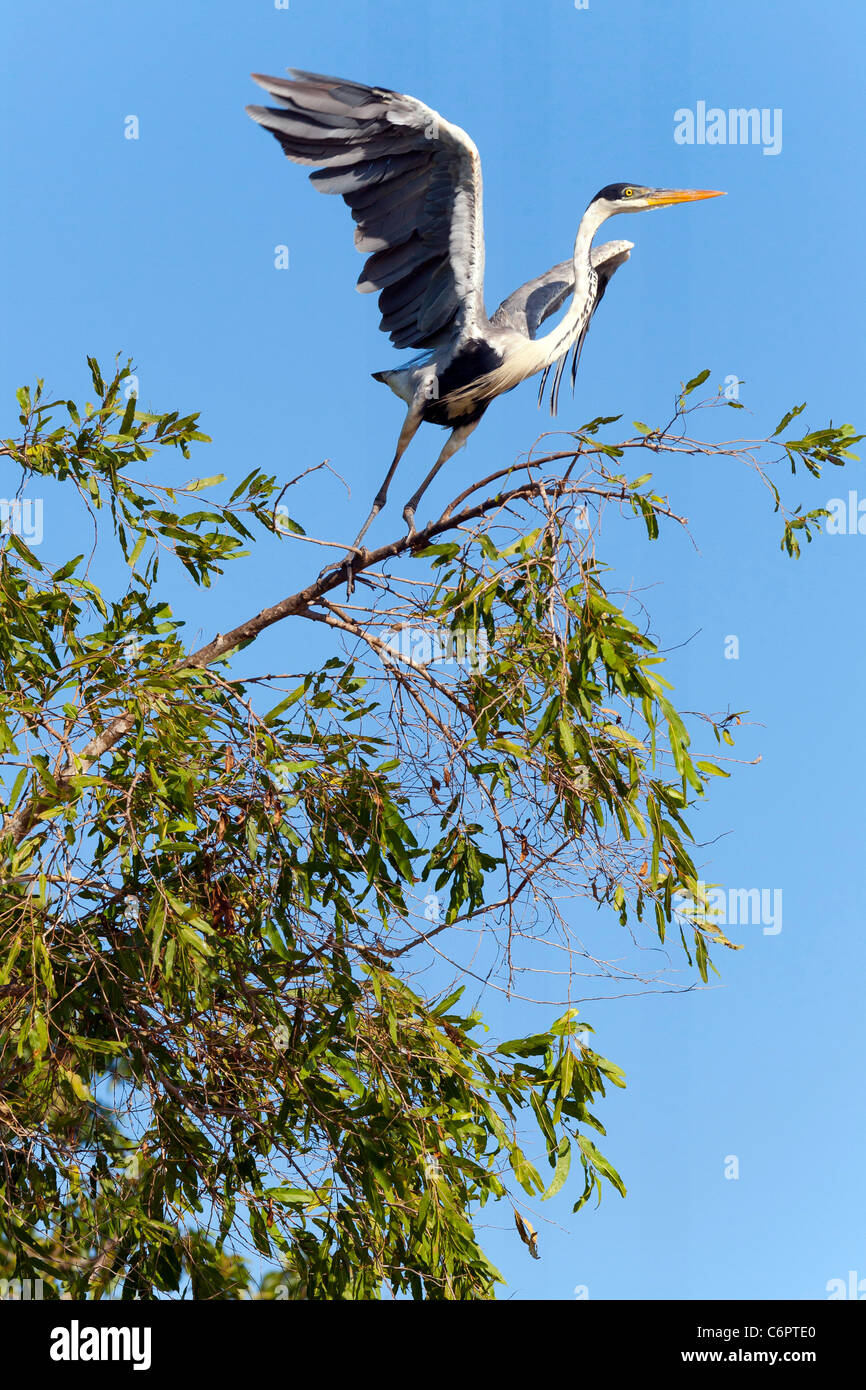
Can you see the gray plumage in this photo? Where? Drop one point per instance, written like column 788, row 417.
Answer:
column 527, row 308
column 412, row 181
column 413, row 184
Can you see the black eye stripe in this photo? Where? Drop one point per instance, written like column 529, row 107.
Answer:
column 614, row 192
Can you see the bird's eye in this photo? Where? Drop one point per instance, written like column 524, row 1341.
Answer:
column 628, row 192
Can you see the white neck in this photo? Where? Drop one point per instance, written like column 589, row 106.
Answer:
column 553, row 344
column 531, row 355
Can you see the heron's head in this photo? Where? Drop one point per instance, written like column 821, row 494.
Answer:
column 635, row 197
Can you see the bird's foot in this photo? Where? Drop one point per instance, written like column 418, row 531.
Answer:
column 357, row 557
column 348, row 563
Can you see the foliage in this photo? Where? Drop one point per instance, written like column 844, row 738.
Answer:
column 213, row 1059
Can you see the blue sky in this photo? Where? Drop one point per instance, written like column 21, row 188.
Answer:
column 163, row 248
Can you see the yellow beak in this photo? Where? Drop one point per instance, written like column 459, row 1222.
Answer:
column 664, row 197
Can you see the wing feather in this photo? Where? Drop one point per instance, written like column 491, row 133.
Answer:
column 527, row 308
column 413, row 183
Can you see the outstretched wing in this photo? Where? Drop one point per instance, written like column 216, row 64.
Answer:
column 413, row 183
column 526, row 309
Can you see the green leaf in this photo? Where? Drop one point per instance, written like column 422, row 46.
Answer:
column 695, row 382
column 543, row 1118
column 128, row 415
column 25, row 553
column 137, row 549
column 290, row 1196
column 66, row 570
column 197, row 484
column 96, row 375
column 107, row 1046
column 273, row 715
column 532, row 1046
column 787, row 418
column 566, row 738
column 81, row 1089
column 561, row 1171
column 599, row 1161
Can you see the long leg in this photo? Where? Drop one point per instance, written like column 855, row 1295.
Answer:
column 456, row 439
column 407, row 433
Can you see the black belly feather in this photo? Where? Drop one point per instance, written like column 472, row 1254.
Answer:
column 475, row 359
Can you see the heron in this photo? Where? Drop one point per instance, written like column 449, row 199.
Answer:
column 412, row 180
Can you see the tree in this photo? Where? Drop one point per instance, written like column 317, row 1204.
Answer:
column 212, row 905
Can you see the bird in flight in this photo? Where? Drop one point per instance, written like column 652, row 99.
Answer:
column 413, row 183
